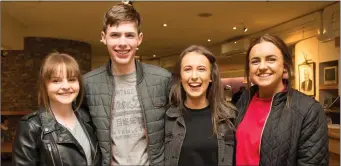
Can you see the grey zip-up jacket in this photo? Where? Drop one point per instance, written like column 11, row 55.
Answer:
column 152, row 84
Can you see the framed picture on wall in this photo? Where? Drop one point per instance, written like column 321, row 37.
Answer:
column 330, row 75
column 306, row 79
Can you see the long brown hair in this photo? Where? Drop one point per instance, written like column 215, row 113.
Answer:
column 49, row 67
column 221, row 110
column 287, row 59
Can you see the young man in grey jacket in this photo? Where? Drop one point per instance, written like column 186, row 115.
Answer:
column 127, row 99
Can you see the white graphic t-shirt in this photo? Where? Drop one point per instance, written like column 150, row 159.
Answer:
column 129, row 144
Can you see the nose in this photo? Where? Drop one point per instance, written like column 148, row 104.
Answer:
column 122, row 42
column 262, row 65
column 65, row 85
column 194, row 75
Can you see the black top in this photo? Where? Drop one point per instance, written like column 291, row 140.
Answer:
column 200, row 146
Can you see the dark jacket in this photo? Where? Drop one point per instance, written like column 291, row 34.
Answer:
column 175, row 135
column 297, row 135
column 152, row 85
column 41, row 140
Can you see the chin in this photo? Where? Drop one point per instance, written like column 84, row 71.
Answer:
column 65, row 101
column 195, row 95
column 123, row 61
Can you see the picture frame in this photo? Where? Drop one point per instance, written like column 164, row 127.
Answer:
column 307, row 79
column 330, row 76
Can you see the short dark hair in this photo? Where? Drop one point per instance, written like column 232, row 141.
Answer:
column 119, row 13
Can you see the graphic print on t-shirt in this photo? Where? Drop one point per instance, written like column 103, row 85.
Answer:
column 128, row 137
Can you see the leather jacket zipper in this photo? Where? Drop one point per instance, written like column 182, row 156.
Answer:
column 50, row 149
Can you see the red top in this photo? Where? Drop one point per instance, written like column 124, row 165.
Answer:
column 249, row 131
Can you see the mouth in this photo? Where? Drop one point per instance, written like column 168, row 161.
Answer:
column 122, row 52
column 65, row 94
column 264, row 75
column 195, row 86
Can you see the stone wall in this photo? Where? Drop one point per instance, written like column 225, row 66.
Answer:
column 20, row 69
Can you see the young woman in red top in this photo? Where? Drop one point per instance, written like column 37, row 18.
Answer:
column 277, row 125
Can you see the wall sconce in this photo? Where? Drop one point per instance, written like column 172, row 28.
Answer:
column 244, row 27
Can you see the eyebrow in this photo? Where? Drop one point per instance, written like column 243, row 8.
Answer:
column 270, row 56
column 267, row 56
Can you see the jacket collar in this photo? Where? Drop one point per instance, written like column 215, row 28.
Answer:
column 277, row 98
column 138, row 67
column 173, row 112
column 49, row 123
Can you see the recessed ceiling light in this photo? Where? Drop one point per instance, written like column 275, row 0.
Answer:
column 164, row 25
column 234, row 28
column 154, row 56
column 208, row 40
column 235, row 42
column 205, row 14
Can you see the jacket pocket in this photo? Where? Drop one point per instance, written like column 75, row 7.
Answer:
column 159, row 102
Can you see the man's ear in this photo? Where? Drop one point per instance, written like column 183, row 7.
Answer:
column 140, row 37
column 103, row 38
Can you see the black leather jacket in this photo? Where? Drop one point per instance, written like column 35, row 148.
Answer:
column 41, row 140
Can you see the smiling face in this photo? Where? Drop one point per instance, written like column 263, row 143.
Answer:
column 62, row 89
column 266, row 66
column 195, row 75
column 121, row 41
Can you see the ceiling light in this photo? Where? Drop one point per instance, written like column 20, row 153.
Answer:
column 234, row 28
column 154, row 56
column 209, row 40
column 205, row 14
column 235, row 42
column 164, row 25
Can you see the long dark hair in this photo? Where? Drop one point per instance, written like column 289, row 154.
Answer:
column 287, row 59
column 221, row 110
